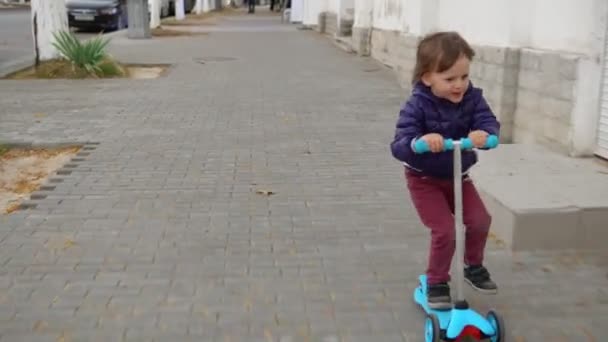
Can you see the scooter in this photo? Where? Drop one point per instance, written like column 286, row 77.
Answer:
column 460, row 321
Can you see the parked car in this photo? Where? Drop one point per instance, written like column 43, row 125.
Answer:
column 97, row 14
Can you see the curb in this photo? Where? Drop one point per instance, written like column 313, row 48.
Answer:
column 13, row 66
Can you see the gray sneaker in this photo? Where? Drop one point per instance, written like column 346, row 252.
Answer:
column 438, row 296
column 479, row 278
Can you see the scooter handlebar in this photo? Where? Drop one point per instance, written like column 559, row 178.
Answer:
column 421, row 146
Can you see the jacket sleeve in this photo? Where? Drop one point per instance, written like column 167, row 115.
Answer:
column 484, row 119
column 410, row 126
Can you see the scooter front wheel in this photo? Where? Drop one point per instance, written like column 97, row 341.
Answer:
column 498, row 324
column 432, row 330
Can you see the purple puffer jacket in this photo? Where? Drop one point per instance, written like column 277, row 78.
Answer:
column 425, row 113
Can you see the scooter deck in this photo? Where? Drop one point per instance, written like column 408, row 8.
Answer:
column 450, row 320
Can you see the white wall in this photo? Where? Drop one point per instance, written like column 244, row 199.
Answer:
column 551, row 29
column 346, row 4
column 333, row 6
column 389, row 15
column 564, row 25
column 312, row 9
column 363, row 13
column 297, row 11
column 479, row 21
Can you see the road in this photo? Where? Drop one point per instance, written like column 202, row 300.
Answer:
column 16, row 36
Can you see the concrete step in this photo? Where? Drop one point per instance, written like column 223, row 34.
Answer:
column 541, row 200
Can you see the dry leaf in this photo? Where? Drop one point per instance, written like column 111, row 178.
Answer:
column 264, row 192
column 12, row 208
column 39, row 115
column 68, row 243
column 40, row 325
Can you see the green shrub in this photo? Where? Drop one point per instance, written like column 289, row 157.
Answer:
column 87, row 57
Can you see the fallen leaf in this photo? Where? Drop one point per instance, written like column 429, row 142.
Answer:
column 12, row 208
column 39, row 115
column 68, row 243
column 265, row 192
column 40, row 326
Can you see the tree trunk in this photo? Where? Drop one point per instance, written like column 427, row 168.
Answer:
column 154, row 13
column 198, row 7
column 179, row 10
column 48, row 17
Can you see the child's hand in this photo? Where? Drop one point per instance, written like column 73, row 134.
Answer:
column 479, row 138
column 435, row 142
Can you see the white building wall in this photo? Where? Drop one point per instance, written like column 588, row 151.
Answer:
column 312, row 9
column 562, row 28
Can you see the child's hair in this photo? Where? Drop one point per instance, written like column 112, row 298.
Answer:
column 437, row 52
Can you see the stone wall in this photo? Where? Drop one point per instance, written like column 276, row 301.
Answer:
column 396, row 50
column 361, row 40
column 496, row 71
column 321, row 22
column 545, row 98
column 329, row 22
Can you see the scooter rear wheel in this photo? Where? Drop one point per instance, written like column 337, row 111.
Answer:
column 498, row 324
column 432, row 329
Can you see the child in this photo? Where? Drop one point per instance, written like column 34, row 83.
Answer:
column 444, row 104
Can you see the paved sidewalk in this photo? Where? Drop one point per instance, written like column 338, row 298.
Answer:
column 171, row 242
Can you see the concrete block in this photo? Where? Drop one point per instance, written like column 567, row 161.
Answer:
column 475, row 72
column 562, row 89
column 380, row 47
column 491, row 55
column 552, row 229
column 346, row 26
column 556, row 130
column 362, row 40
column 528, row 100
column 492, row 72
column 541, row 200
column 530, row 80
column 530, row 60
column 509, row 97
column 568, row 69
column 331, row 23
column 512, row 57
column 322, row 22
column 549, row 62
column 558, row 109
column 411, row 41
column 510, row 76
column 595, row 220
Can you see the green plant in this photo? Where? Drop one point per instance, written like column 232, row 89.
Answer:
column 3, row 149
column 86, row 56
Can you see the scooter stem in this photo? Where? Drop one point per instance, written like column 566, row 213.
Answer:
column 459, row 226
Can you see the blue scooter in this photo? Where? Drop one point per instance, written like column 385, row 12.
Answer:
column 460, row 322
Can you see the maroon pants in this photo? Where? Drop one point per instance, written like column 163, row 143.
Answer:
column 434, row 201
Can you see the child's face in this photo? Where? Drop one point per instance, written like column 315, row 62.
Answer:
column 450, row 84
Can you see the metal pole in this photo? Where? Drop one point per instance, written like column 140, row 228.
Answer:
column 459, row 226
